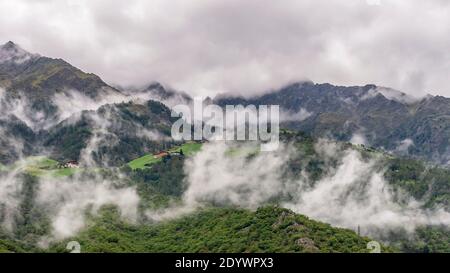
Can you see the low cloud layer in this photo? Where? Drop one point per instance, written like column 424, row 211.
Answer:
column 207, row 47
column 356, row 194
column 353, row 193
column 231, row 175
column 65, row 201
column 68, row 199
column 73, row 102
column 69, row 104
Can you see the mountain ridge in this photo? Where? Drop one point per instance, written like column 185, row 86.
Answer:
column 373, row 115
column 383, row 121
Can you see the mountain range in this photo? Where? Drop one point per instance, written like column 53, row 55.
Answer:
column 371, row 115
column 375, row 116
column 53, row 110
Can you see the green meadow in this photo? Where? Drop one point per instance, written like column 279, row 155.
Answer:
column 147, row 160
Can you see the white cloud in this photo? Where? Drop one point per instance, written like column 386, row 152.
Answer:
column 300, row 115
column 356, row 193
column 404, row 145
column 10, row 190
column 217, row 174
column 359, row 139
column 389, row 94
column 206, row 47
column 67, row 200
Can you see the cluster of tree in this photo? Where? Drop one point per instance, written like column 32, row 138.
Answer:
column 269, row 229
column 165, row 177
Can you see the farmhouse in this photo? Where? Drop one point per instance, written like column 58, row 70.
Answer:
column 73, row 164
column 163, row 154
column 160, row 154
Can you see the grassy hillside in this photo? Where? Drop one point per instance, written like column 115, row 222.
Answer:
column 148, row 160
column 40, row 166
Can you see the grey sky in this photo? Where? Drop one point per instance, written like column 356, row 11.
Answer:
column 245, row 46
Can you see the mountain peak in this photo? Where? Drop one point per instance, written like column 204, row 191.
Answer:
column 11, row 52
column 155, row 85
column 9, row 45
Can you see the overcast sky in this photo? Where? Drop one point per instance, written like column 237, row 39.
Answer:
column 246, row 46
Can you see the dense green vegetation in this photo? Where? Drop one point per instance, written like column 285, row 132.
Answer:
column 14, row 130
column 430, row 184
column 165, row 177
column 69, row 140
column 8, row 245
column 428, row 240
column 269, row 229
